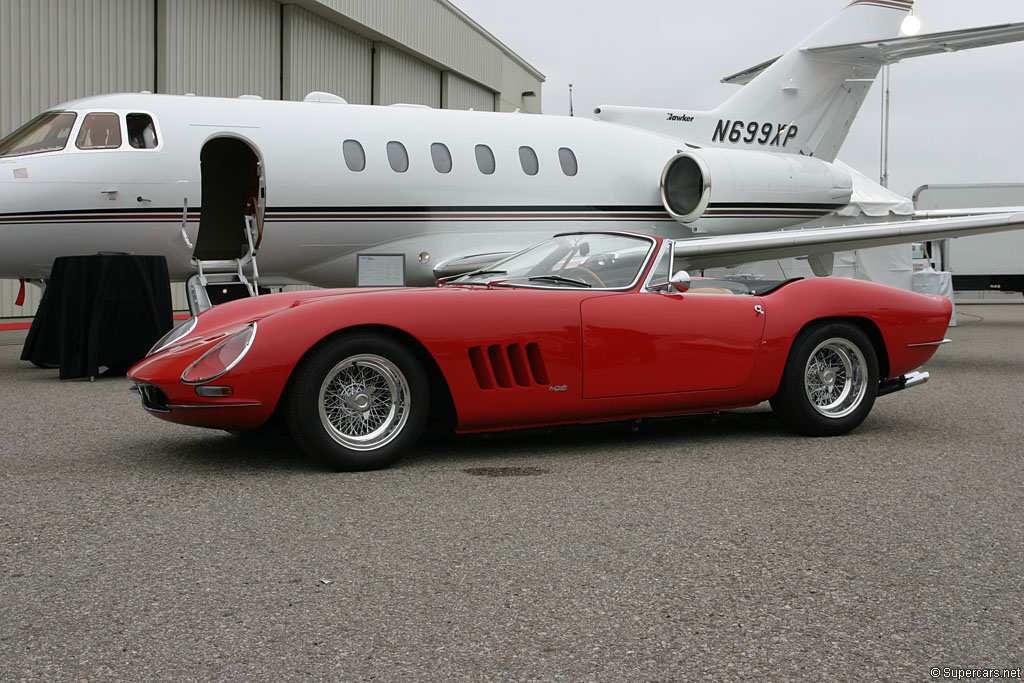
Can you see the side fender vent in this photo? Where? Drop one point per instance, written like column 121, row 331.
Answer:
column 505, row 367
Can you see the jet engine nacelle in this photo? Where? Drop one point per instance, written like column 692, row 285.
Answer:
column 736, row 183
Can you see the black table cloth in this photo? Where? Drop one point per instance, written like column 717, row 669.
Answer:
column 104, row 310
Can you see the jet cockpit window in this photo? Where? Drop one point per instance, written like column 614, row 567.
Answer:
column 528, row 159
column 99, row 131
column 398, row 157
column 441, row 157
column 355, row 157
column 47, row 132
column 141, row 132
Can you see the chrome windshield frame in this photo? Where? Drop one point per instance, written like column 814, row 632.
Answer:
column 666, row 246
column 646, row 262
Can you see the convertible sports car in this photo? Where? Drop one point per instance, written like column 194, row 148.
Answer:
column 582, row 327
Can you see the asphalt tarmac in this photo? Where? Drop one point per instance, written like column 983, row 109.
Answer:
column 704, row 548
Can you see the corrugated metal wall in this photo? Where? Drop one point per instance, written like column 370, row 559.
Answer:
column 406, row 79
column 320, row 55
column 52, row 51
column 8, row 294
column 220, row 47
column 462, row 93
column 433, row 29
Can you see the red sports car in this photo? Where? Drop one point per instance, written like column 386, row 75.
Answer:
column 580, row 328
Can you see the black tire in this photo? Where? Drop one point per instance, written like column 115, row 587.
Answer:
column 358, row 402
column 830, row 381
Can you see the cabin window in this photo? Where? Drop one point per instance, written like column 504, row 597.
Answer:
column 47, row 132
column 485, row 159
column 528, row 158
column 441, row 157
column 398, row 157
column 141, row 132
column 355, row 157
column 568, row 161
column 99, row 131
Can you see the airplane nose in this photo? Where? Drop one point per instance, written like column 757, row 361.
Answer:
column 13, row 228
column 6, row 248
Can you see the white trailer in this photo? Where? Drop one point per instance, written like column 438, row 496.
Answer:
column 992, row 262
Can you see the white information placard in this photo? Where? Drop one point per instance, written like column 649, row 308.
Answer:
column 381, row 270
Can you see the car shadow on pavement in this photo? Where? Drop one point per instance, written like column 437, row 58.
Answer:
column 452, row 450
column 211, row 451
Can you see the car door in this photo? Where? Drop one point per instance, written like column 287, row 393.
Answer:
column 655, row 343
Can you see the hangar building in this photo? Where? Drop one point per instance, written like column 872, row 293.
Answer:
column 367, row 51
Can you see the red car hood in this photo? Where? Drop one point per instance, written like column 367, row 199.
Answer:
column 255, row 308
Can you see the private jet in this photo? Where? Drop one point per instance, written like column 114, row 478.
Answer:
column 333, row 194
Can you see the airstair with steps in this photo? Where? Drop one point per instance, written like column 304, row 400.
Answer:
column 220, row 280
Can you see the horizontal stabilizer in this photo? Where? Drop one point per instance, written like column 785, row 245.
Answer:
column 896, row 49
column 892, row 50
column 731, row 250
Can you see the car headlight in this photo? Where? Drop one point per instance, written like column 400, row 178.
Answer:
column 221, row 358
column 179, row 332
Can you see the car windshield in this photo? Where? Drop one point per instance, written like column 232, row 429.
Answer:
column 589, row 260
column 47, row 132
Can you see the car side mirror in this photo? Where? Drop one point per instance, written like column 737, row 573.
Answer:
column 680, row 282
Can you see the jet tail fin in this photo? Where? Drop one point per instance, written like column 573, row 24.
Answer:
column 819, row 86
column 819, row 95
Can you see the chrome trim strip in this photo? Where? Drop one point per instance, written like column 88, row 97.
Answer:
column 183, row 330
column 934, row 343
column 175, row 406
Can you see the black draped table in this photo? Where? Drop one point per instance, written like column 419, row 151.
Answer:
column 104, row 310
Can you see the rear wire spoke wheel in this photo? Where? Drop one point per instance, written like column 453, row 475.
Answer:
column 358, row 402
column 835, row 377
column 830, row 381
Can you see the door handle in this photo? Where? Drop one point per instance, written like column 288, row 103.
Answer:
column 759, row 308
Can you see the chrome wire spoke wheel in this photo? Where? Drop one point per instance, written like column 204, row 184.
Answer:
column 835, row 378
column 364, row 402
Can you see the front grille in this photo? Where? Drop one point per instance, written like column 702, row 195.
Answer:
column 508, row 366
column 153, row 398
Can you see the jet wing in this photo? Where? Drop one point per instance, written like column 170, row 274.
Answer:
column 461, row 265
column 730, row 250
column 894, row 50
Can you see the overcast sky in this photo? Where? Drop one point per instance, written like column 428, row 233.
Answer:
column 955, row 118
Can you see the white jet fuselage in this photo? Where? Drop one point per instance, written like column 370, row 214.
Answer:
column 319, row 214
column 333, row 182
